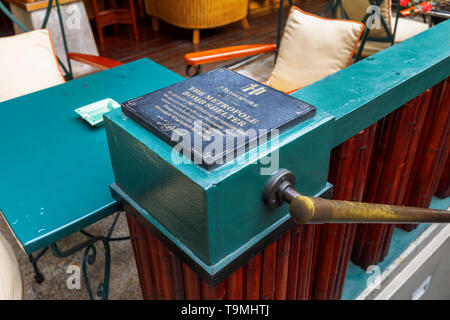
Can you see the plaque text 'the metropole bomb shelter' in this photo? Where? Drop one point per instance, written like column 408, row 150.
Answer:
column 216, row 115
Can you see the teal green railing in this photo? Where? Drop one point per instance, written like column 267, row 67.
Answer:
column 335, row 5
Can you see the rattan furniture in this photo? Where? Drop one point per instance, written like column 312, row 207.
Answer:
column 197, row 14
column 114, row 16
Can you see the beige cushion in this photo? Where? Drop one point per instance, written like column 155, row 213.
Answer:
column 27, row 64
column 313, row 48
column 357, row 9
column 10, row 278
column 406, row 28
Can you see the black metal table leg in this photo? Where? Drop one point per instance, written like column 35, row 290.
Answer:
column 38, row 276
column 89, row 258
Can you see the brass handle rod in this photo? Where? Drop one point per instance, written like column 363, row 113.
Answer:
column 317, row 210
column 303, row 209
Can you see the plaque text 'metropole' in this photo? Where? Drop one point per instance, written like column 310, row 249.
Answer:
column 217, row 115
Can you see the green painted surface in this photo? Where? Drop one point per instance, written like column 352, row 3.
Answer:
column 55, row 170
column 356, row 278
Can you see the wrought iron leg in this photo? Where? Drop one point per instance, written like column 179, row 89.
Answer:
column 89, row 258
column 38, row 276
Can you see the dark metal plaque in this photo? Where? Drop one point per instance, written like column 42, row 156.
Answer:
column 217, row 116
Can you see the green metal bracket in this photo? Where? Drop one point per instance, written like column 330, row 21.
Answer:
column 369, row 90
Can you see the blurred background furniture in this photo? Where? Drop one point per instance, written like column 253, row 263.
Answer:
column 439, row 13
column 18, row 57
column 29, row 62
column 75, row 34
column 312, row 48
column 197, row 14
column 256, row 7
column 385, row 30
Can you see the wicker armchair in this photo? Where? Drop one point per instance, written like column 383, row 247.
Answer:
column 197, row 14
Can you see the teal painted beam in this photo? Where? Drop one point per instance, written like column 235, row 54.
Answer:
column 374, row 87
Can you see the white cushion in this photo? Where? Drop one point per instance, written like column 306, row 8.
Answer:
column 27, row 63
column 406, row 28
column 10, row 277
column 313, row 48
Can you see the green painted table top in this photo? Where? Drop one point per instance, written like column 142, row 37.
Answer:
column 55, row 169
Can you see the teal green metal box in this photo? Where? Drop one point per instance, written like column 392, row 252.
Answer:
column 215, row 220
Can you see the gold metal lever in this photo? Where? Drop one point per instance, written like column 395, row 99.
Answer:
column 303, row 209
